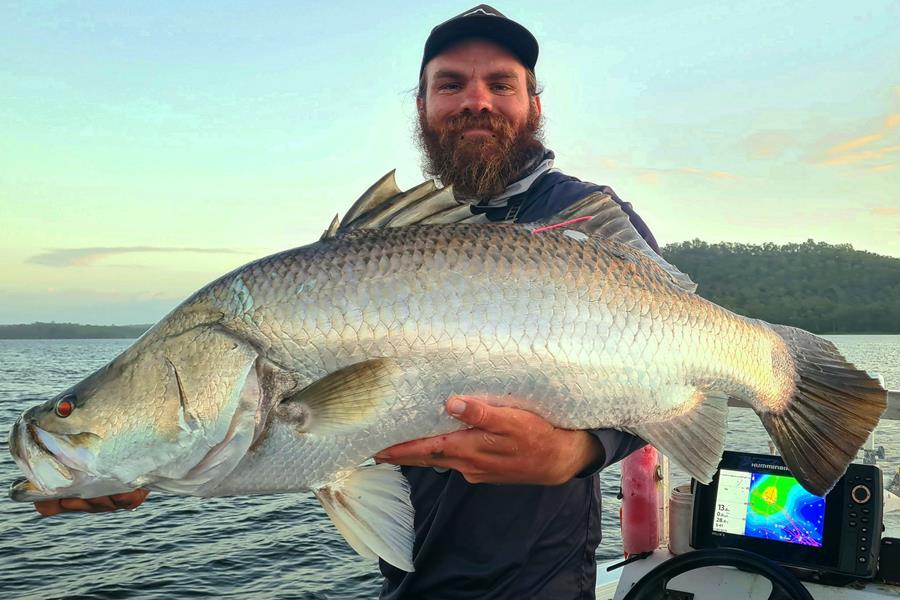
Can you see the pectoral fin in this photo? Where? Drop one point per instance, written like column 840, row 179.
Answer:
column 372, row 510
column 344, row 399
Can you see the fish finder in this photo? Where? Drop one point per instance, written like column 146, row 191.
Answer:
column 754, row 503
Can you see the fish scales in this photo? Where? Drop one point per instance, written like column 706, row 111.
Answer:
column 573, row 324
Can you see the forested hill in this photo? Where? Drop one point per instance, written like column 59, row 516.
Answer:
column 69, row 331
column 816, row 286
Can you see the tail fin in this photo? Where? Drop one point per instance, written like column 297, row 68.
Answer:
column 834, row 408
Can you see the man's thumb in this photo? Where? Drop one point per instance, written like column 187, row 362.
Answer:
column 468, row 410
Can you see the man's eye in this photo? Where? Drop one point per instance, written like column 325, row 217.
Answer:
column 502, row 88
column 449, row 87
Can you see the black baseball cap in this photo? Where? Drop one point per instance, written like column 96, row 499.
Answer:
column 483, row 21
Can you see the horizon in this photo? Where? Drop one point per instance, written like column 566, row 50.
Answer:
column 150, row 150
column 149, row 324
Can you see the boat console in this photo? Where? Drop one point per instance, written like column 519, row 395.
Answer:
column 754, row 532
column 755, row 504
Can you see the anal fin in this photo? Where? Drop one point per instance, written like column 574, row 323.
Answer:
column 694, row 440
column 372, row 510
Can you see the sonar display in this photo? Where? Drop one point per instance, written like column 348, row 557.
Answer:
column 772, row 507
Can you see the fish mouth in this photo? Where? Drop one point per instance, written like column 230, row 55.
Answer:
column 52, row 465
column 34, row 438
column 25, row 490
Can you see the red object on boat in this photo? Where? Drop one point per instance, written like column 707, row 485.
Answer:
column 640, row 501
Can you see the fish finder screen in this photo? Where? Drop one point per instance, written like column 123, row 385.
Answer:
column 772, row 507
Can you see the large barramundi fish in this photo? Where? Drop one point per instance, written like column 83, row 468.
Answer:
column 289, row 373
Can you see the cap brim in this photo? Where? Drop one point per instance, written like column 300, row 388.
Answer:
column 504, row 32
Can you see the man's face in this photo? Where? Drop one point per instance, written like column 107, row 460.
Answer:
column 478, row 124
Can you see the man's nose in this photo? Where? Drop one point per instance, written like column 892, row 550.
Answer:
column 477, row 98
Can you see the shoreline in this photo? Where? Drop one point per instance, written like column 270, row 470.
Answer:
column 133, row 335
column 70, row 331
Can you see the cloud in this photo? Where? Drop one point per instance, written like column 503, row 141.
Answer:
column 855, row 143
column 706, row 174
column 768, row 144
column 85, row 257
column 865, row 148
column 885, row 210
column 653, row 175
column 649, row 177
column 861, row 156
column 611, row 163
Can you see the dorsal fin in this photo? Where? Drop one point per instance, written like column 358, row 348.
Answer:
column 381, row 190
column 381, row 214
column 332, row 229
column 385, row 205
column 610, row 222
column 435, row 202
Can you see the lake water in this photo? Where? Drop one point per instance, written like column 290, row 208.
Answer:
column 261, row 547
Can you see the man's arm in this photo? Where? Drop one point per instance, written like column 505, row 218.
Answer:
column 504, row 445
column 616, row 446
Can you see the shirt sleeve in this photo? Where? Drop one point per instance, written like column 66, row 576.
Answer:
column 616, row 446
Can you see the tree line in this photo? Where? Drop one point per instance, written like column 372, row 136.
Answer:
column 69, row 331
column 820, row 287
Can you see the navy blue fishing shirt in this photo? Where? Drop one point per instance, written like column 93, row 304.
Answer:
column 511, row 541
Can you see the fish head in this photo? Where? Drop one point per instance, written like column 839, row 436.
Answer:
column 176, row 411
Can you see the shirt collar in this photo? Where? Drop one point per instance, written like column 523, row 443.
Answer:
column 541, row 164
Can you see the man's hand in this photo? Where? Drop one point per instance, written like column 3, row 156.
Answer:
column 129, row 500
column 505, row 445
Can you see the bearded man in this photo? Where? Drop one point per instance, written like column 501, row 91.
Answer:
column 479, row 126
column 535, row 535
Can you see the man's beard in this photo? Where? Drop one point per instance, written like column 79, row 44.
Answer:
column 478, row 167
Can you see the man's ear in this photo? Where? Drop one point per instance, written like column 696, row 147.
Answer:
column 537, row 104
column 420, row 105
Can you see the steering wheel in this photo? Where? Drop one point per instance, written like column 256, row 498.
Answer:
column 785, row 585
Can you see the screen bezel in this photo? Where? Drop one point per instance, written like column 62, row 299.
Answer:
column 702, row 535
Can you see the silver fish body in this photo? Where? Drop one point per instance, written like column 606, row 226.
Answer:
column 288, row 373
column 562, row 325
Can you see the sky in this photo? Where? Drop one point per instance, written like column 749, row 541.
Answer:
column 148, row 147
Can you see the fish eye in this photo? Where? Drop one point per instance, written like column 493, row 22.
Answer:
column 64, row 406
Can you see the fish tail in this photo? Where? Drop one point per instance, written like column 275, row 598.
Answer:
column 833, row 409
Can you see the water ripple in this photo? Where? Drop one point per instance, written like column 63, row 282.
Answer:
column 260, row 547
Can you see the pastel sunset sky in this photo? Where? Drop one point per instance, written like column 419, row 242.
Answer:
column 149, row 147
